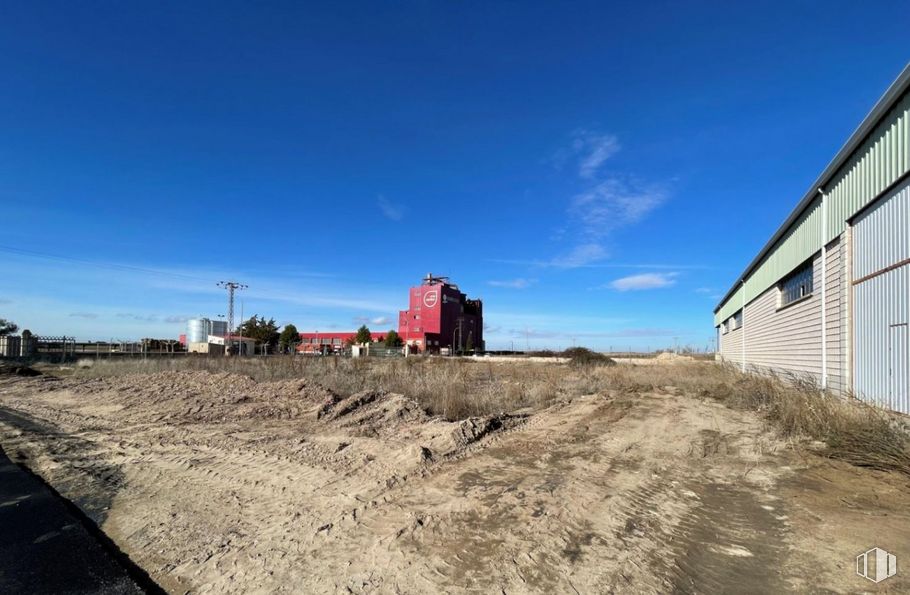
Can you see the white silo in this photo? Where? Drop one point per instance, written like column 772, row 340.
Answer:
column 198, row 330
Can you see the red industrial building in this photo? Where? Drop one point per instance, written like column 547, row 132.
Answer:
column 330, row 341
column 440, row 316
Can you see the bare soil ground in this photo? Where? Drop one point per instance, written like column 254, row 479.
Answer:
column 218, row 483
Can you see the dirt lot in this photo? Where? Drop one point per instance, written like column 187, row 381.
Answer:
column 218, row 483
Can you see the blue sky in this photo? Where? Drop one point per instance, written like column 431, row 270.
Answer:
column 598, row 173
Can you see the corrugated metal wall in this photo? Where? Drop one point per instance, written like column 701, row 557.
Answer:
column 836, row 316
column 880, row 161
column 786, row 339
column 882, row 303
column 789, row 340
column 731, row 346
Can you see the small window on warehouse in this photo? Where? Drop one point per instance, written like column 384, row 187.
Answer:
column 797, row 286
column 723, row 327
column 737, row 321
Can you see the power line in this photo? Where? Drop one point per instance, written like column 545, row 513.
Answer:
column 231, row 287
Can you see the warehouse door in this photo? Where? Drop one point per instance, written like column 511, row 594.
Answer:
column 881, row 301
column 899, row 387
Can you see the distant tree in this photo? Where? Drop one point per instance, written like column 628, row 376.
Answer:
column 7, row 327
column 264, row 332
column 289, row 337
column 363, row 335
column 392, row 339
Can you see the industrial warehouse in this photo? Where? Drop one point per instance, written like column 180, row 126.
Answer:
column 827, row 296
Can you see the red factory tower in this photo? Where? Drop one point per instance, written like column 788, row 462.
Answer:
column 439, row 316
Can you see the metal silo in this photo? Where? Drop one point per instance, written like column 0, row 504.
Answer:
column 198, row 330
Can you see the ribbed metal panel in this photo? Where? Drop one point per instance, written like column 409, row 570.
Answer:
column 729, row 308
column 880, row 236
column 881, row 239
column 876, row 164
column 798, row 245
column 881, row 364
column 883, row 158
column 198, row 330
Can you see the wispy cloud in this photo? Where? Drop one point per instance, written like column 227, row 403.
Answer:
column 138, row 317
column 87, row 315
column 594, row 150
column 710, row 293
column 643, row 281
column 603, row 265
column 520, row 283
column 380, row 320
column 582, row 255
column 587, row 150
column 389, row 209
column 607, row 202
column 176, row 319
column 615, row 202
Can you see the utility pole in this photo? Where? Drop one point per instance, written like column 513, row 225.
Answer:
column 231, row 287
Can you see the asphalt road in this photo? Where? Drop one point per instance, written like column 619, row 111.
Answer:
column 45, row 547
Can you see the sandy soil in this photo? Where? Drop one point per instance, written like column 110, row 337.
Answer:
column 214, row 483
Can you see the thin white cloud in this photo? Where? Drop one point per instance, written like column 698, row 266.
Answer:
column 138, row 317
column 587, row 150
column 380, row 320
column 582, row 255
column 603, row 265
column 86, row 315
column 643, row 281
column 613, row 203
column 520, row 283
column 389, row 209
column 594, row 150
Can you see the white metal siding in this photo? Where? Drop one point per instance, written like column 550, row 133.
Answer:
column 731, row 346
column 836, row 317
column 880, row 235
column 881, row 305
column 882, row 159
column 787, row 340
column 881, row 239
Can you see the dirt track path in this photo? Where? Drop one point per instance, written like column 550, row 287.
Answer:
column 265, row 488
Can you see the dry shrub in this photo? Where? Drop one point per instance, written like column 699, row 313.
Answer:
column 582, row 356
column 459, row 388
column 853, row 431
column 452, row 388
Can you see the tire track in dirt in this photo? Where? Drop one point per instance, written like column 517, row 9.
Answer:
column 219, row 484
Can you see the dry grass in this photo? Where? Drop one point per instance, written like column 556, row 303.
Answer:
column 853, row 431
column 452, row 388
column 458, row 388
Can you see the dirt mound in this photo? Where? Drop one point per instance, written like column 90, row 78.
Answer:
column 371, row 413
column 473, row 429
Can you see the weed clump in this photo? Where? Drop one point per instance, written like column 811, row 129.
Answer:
column 582, row 356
